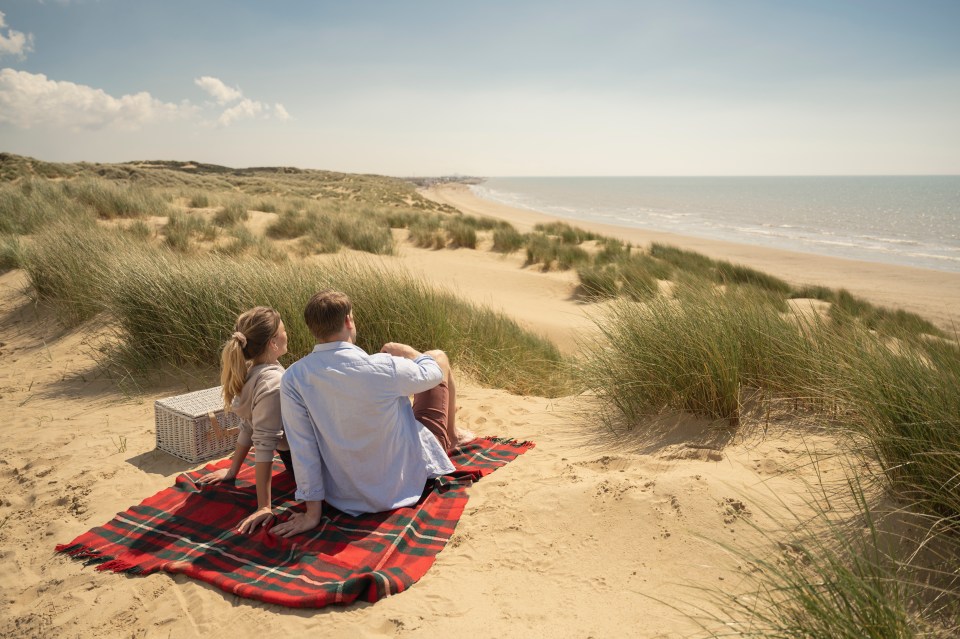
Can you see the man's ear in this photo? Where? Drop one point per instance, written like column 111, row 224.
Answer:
column 348, row 322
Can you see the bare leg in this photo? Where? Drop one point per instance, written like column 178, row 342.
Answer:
column 460, row 436
column 455, row 436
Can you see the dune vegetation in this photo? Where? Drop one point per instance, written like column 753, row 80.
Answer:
column 168, row 253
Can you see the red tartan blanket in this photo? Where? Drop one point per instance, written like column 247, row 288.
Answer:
column 191, row 529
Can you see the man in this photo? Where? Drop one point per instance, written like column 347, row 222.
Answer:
column 356, row 441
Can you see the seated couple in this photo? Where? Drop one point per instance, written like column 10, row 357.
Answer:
column 339, row 418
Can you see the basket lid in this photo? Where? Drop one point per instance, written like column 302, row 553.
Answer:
column 195, row 404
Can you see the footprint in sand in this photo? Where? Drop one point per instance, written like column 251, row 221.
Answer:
column 607, row 489
column 669, row 506
column 733, row 509
column 570, row 474
column 767, row 467
column 608, row 463
column 691, row 452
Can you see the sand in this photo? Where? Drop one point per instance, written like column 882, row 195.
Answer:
column 590, row 534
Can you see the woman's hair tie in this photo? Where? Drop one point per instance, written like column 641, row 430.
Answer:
column 241, row 339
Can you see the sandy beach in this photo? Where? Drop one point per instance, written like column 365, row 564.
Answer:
column 590, row 534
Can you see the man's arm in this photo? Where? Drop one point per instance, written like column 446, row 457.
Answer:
column 422, row 372
column 308, row 464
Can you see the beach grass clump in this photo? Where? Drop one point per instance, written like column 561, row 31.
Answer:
column 401, row 218
column 822, row 293
column 266, row 206
column 729, row 273
column 244, row 242
column 292, row 223
column 368, row 234
column 845, row 575
column 461, row 233
column 139, row 230
column 549, row 251
column 622, row 272
column 67, row 263
column 198, row 200
column 637, row 274
column 10, row 252
column 598, row 282
column 847, row 306
column 697, row 352
column 480, row 223
column 231, row 214
column 611, row 250
column 31, row 204
column 686, row 261
column 904, row 397
column 507, row 239
column 570, row 256
column 566, row 233
column 111, row 200
column 541, row 250
column 241, row 241
column 182, row 227
column 322, row 238
column 179, row 310
column 426, row 233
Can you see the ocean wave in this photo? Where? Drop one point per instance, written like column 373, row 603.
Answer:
column 890, row 240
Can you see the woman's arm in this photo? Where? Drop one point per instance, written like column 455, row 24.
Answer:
column 264, row 513
column 224, row 474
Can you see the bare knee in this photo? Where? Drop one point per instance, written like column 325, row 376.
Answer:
column 442, row 360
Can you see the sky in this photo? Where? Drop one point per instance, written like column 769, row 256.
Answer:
column 489, row 88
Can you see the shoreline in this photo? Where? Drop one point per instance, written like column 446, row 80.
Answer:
column 933, row 294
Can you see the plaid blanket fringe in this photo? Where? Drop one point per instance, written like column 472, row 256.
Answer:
column 190, row 529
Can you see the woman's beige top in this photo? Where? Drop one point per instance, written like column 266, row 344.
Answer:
column 258, row 407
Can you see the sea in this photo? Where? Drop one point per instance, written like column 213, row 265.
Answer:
column 906, row 220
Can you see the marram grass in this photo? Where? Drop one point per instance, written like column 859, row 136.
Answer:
column 696, row 352
column 178, row 309
column 181, row 310
column 848, row 571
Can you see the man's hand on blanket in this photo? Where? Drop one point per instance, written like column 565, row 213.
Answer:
column 300, row 522
column 261, row 517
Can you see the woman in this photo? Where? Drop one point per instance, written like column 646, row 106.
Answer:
column 250, row 374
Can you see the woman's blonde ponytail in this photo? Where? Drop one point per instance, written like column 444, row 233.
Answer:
column 233, row 371
column 252, row 331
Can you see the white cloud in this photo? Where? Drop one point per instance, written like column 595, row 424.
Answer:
column 14, row 42
column 31, row 99
column 220, row 91
column 246, row 108
column 242, row 110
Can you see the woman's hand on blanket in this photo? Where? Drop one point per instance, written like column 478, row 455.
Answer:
column 261, row 517
column 216, row 476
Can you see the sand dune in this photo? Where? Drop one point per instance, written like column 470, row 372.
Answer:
column 588, row 534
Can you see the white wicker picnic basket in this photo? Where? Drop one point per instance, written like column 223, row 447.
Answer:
column 194, row 426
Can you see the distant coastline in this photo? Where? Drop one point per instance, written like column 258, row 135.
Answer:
column 905, row 220
column 932, row 293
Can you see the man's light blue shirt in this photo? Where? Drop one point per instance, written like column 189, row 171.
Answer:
column 354, row 440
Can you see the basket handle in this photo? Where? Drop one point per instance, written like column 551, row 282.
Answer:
column 217, row 430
